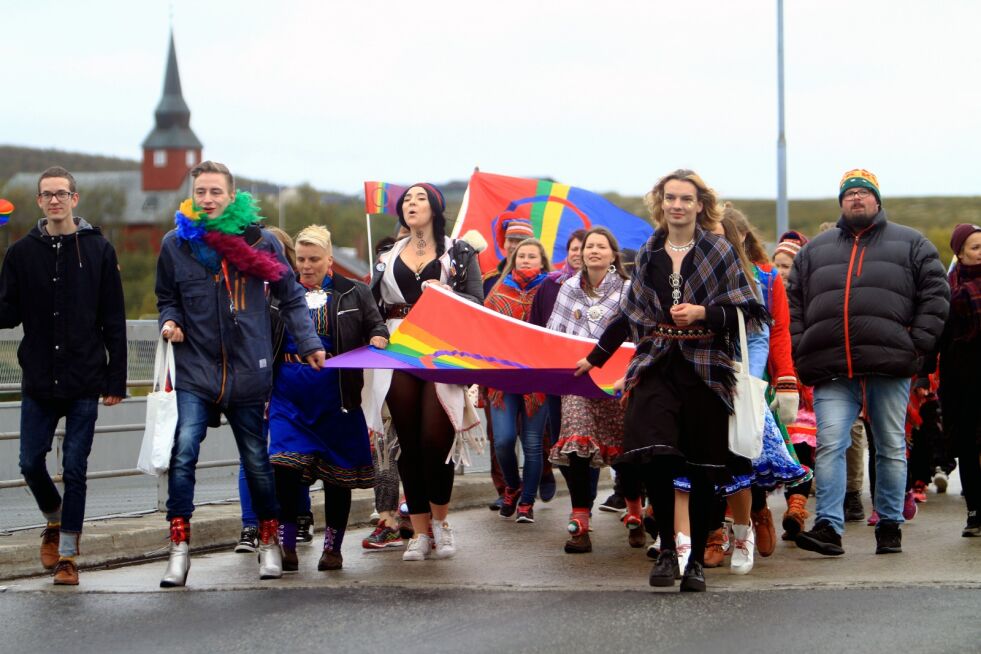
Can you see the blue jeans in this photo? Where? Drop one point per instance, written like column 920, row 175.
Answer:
column 38, row 419
column 249, row 518
column 506, row 432
column 837, row 404
column 192, row 425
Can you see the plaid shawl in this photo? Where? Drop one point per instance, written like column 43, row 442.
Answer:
column 965, row 301
column 717, row 280
column 570, row 316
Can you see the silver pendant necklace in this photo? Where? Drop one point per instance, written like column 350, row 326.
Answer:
column 675, row 280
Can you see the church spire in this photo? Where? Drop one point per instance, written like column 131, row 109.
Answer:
column 171, row 149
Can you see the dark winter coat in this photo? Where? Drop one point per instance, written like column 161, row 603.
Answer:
column 867, row 302
column 227, row 358
column 67, row 292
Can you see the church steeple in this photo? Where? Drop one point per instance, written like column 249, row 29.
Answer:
column 171, row 149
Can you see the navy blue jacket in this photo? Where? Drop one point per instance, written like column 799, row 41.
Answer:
column 67, row 293
column 226, row 358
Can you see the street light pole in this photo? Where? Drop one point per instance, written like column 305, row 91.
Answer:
column 782, row 206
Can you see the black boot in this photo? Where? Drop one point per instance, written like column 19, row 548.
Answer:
column 665, row 571
column 694, row 579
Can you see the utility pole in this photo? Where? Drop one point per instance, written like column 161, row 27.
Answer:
column 782, row 204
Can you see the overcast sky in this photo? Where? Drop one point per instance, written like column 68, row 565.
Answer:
column 604, row 95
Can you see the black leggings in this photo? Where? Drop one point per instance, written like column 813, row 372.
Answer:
column 658, row 476
column 425, row 436
column 577, row 478
column 337, row 500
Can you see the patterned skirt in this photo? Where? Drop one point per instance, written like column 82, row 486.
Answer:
column 592, row 429
column 775, row 465
column 311, row 433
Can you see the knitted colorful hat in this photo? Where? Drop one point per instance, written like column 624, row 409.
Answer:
column 856, row 178
column 790, row 243
column 512, row 226
column 960, row 234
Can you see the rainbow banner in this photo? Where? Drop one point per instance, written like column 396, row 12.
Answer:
column 446, row 338
column 381, row 197
column 555, row 211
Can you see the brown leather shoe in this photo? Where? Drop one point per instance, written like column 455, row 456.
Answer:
column 330, row 560
column 579, row 544
column 290, row 561
column 714, row 554
column 793, row 519
column 66, row 573
column 636, row 537
column 50, row 539
column 766, row 535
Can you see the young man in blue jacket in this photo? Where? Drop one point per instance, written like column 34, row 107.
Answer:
column 213, row 275
column 62, row 282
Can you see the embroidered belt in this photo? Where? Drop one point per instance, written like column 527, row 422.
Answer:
column 296, row 358
column 397, row 311
column 681, row 333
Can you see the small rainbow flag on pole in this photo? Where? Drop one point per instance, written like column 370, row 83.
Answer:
column 381, row 197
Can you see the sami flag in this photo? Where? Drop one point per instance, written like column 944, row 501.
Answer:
column 446, row 338
column 555, row 211
column 381, row 197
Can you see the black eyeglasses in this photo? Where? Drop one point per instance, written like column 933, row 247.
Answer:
column 61, row 195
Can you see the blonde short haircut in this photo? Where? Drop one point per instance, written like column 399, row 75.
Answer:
column 315, row 235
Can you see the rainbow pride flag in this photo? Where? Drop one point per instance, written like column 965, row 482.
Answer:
column 381, row 197
column 448, row 339
column 555, row 211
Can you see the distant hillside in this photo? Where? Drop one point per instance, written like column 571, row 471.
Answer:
column 15, row 159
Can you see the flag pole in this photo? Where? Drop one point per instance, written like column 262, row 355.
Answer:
column 370, row 248
column 458, row 225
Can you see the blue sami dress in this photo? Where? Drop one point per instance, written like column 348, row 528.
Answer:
column 308, row 430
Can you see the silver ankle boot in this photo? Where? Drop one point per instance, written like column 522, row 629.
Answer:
column 177, row 567
column 270, row 560
column 270, row 553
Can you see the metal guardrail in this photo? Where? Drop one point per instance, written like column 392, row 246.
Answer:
column 141, row 338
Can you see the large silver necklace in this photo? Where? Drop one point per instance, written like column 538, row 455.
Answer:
column 680, row 248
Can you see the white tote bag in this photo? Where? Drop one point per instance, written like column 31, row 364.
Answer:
column 161, row 414
column 748, row 403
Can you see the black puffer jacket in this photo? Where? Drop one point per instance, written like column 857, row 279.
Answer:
column 871, row 302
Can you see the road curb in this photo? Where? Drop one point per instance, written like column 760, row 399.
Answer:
column 144, row 537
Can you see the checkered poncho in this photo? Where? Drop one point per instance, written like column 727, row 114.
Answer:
column 717, row 280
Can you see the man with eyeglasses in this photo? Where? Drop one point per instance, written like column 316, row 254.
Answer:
column 62, row 282
column 868, row 300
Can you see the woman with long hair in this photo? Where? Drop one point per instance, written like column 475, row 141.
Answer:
column 514, row 415
column 681, row 308
column 316, row 426
column 433, row 422
column 592, row 429
column 960, row 378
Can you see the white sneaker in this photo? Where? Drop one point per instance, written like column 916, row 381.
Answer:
column 682, row 545
column 940, row 481
column 418, row 548
column 743, row 544
column 443, row 535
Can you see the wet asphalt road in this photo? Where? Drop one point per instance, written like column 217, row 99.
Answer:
column 912, row 620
